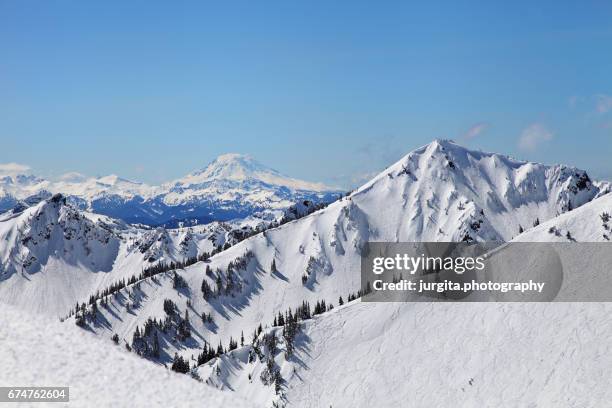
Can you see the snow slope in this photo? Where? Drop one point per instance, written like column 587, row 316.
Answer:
column 98, row 373
column 588, row 223
column 439, row 354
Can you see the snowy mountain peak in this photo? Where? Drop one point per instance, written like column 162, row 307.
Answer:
column 241, row 168
column 233, row 166
column 458, row 193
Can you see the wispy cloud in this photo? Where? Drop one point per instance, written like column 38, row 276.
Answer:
column 475, row 130
column 573, row 101
column 533, row 136
column 13, row 168
column 603, row 103
column 606, row 125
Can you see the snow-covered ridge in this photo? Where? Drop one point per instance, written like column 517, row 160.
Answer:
column 52, row 227
column 590, row 223
column 53, row 254
column 448, row 188
column 88, row 188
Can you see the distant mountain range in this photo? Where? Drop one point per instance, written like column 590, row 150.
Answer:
column 232, row 186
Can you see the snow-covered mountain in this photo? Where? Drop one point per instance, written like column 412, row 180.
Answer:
column 53, row 254
column 451, row 193
column 234, row 167
column 232, row 186
column 439, row 192
column 235, row 185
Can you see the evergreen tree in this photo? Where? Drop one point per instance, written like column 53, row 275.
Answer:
column 184, row 327
column 229, row 284
column 206, row 289
column 278, row 381
column 219, row 349
column 219, row 283
column 178, row 282
column 155, row 352
column 136, row 335
column 169, row 307
column 180, row 365
column 273, row 266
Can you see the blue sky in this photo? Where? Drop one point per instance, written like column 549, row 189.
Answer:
column 320, row 90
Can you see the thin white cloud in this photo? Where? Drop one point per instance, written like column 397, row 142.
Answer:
column 603, row 103
column 13, row 168
column 475, row 130
column 534, row 135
